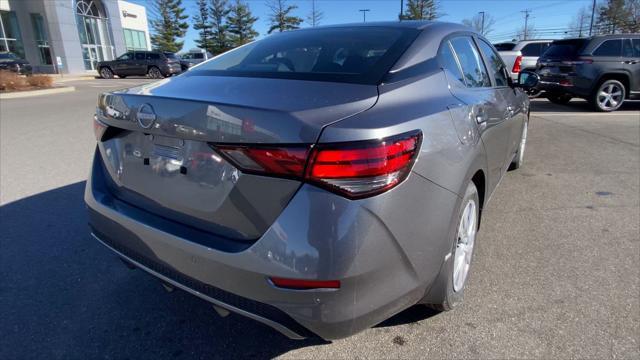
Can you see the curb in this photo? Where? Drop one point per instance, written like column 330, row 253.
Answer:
column 23, row 94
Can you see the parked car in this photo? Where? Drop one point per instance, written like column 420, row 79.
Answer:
column 522, row 55
column 10, row 61
column 194, row 57
column 318, row 180
column 154, row 64
column 605, row 70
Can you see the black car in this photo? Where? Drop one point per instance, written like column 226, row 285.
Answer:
column 605, row 70
column 10, row 61
column 154, row 64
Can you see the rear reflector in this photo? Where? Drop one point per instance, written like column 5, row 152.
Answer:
column 354, row 169
column 301, row 284
column 516, row 64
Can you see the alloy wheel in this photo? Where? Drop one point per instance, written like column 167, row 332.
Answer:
column 464, row 247
column 609, row 96
column 155, row 73
column 106, row 73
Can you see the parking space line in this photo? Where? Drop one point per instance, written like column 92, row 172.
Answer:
column 631, row 113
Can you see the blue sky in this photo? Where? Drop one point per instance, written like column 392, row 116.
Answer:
column 545, row 14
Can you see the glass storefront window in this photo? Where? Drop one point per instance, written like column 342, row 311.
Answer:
column 10, row 34
column 93, row 29
column 42, row 41
column 135, row 39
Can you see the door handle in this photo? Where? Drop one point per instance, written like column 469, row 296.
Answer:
column 480, row 115
column 509, row 114
column 631, row 62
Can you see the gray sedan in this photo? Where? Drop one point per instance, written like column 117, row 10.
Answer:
column 319, row 180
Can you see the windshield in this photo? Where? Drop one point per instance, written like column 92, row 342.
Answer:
column 504, row 46
column 357, row 55
column 564, row 48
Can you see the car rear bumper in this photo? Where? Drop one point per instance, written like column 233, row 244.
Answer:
column 384, row 265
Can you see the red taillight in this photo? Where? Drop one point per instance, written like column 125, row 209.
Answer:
column 363, row 168
column 301, row 284
column 516, row 65
column 279, row 161
column 98, row 128
column 355, row 170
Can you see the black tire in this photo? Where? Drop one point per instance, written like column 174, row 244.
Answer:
column 122, row 76
column 603, row 97
column 518, row 159
column 443, row 288
column 560, row 99
column 154, row 73
column 106, row 73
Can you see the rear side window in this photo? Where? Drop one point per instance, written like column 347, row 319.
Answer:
column 636, row 47
column 564, row 48
column 495, row 64
column 531, row 50
column 153, row 56
column 505, row 46
column 609, row 48
column 341, row 54
column 449, row 62
column 475, row 74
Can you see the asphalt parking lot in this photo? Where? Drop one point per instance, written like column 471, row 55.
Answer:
column 556, row 272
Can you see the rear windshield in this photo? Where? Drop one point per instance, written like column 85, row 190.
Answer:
column 564, row 48
column 504, row 46
column 356, row 55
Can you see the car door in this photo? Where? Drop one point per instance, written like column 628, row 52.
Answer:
column 512, row 99
column 139, row 63
column 484, row 104
column 631, row 59
column 123, row 63
column 607, row 58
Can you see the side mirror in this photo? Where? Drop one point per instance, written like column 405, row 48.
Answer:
column 527, row 80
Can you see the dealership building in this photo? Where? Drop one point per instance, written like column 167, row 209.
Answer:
column 71, row 36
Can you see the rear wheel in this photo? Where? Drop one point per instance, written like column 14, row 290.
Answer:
column 106, row 73
column 560, row 99
column 456, row 269
column 154, row 73
column 609, row 96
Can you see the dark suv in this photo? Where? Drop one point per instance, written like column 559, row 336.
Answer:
column 155, row 64
column 605, row 70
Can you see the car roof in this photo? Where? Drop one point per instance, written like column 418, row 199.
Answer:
column 405, row 24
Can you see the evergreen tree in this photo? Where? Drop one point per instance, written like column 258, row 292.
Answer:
column 421, row 10
column 219, row 11
column 315, row 15
column 240, row 24
column 202, row 23
column 168, row 25
column 280, row 18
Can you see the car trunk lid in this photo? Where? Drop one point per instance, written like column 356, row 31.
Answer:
column 159, row 155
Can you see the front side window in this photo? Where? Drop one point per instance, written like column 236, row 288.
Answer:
column 475, row 74
column 531, row 50
column 449, row 63
column 153, row 56
column 140, row 56
column 627, row 48
column 356, row 55
column 126, row 56
column 495, row 64
column 609, row 48
column 636, row 47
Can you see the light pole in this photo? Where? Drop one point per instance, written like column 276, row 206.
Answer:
column 364, row 14
column 482, row 26
column 593, row 12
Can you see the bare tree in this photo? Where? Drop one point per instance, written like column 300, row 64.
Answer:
column 530, row 32
column 483, row 26
column 315, row 15
column 579, row 25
